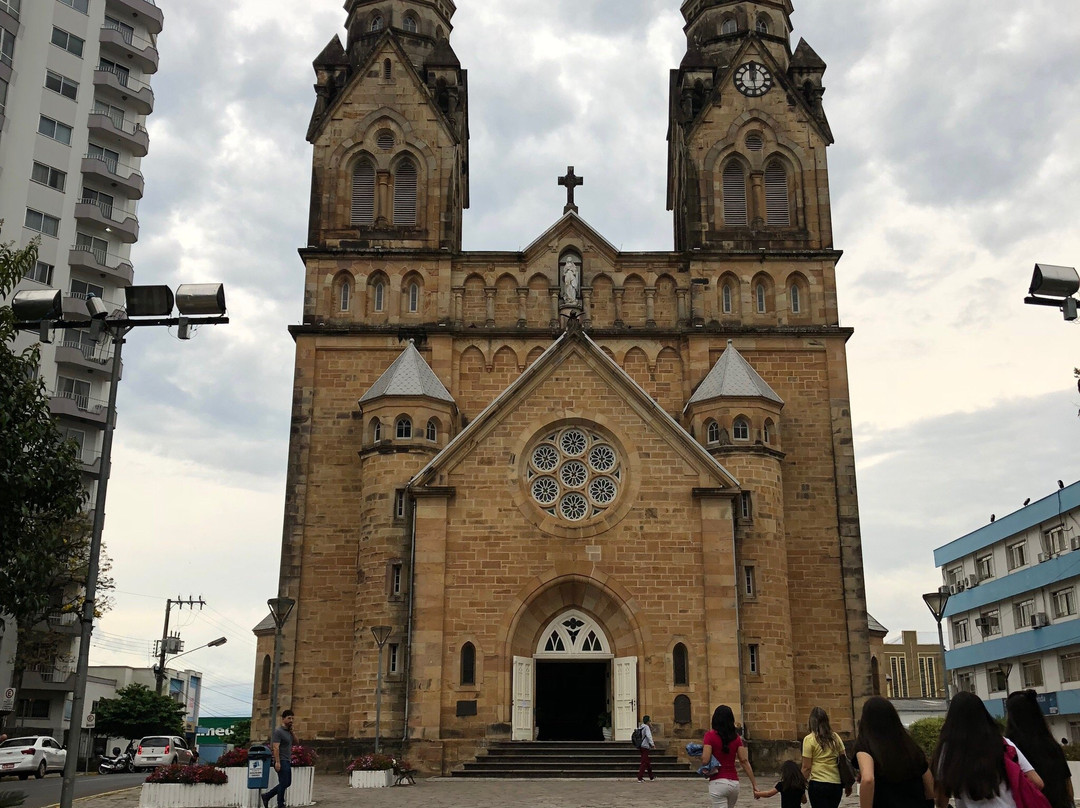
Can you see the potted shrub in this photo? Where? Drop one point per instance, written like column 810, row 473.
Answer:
column 371, row 771
column 604, row 722
column 184, row 786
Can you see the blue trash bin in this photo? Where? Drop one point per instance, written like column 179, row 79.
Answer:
column 258, row 774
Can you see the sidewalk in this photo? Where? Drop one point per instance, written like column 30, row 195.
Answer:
column 332, row 791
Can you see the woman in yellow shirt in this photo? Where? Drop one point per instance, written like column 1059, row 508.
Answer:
column 821, row 749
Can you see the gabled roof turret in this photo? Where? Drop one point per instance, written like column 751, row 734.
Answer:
column 733, row 377
column 409, row 375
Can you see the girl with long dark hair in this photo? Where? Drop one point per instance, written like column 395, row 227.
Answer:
column 791, row 788
column 1027, row 728
column 723, row 743
column 893, row 772
column 969, row 760
column 821, row 750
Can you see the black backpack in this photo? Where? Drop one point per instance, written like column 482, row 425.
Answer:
column 637, row 737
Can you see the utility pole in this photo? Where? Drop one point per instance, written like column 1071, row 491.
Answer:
column 171, row 645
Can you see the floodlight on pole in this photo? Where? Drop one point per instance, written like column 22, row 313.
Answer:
column 1055, row 286
column 935, row 602
column 381, row 634
column 280, row 609
column 35, row 311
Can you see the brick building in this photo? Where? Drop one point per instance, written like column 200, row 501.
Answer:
column 575, row 482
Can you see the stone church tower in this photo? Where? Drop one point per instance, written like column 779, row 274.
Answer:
column 573, row 481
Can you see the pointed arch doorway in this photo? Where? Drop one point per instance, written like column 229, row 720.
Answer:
column 571, row 679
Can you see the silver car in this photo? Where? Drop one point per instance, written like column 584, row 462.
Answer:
column 37, row 755
column 162, row 750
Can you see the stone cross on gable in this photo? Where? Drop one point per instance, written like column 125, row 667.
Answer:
column 570, row 182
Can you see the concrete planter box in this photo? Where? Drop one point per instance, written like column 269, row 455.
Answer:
column 380, row 779
column 234, row 794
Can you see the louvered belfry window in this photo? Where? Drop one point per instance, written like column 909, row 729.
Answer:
column 734, row 195
column 405, row 194
column 777, row 206
column 363, row 194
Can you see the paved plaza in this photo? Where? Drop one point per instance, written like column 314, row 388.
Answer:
column 332, row 791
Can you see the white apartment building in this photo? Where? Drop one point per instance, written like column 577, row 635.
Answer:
column 1012, row 610
column 74, row 98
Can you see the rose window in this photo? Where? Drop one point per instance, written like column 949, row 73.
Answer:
column 574, row 474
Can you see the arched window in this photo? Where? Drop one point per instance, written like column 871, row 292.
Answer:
column 729, row 26
column 712, row 432
column 759, row 295
column 409, row 23
column 432, row 432
column 767, row 432
column 777, row 207
column 796, row 299
column 727, row 298
column 404, row 428
column 734, row 195
column 345, row 291
column 387, row 69
column 376, row 22
column 376, row 430
column 414, row 297
column 762, row 26
column 680, row 665
column 378, row 295
column 363, row 194
column 468, row 664
column 740, row 430
column 682, row 709
column 405, row 194
column 264, row 678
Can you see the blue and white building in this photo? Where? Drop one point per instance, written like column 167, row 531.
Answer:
column 1012, row 612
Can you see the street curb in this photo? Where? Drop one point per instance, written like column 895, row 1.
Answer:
column 97, row 796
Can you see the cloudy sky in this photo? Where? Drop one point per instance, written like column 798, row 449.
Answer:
column 954, row 171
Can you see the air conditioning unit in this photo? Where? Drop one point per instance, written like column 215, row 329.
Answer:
column 1039, row 620
column 1044, row 557
column 953, row 589
column 972, row 580
column 1075, row 543
column 960, row 586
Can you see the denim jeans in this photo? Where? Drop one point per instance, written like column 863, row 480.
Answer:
column 284, row 781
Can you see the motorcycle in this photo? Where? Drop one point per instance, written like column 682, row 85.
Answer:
column 117, row 763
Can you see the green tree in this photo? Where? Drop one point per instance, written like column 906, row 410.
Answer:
column 240, row 734
column 925, row 731
column 137, row 711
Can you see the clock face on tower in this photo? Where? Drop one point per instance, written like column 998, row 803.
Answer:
column 753, row 79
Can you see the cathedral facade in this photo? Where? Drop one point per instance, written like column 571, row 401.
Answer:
column 576, row 485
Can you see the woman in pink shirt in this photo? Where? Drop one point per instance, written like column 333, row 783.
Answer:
column 723, row 743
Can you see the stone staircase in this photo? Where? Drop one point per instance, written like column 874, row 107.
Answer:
column 524, row 760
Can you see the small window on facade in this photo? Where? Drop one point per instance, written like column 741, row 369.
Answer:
column 753, row 658
column 759, row 295
column 1064, row 602
column 399, row 505
column 682, row 709
column 767, row 432
column 363, row 194
column 376, row 23
column 409, row 23
column 432, row 431
column 727, row 298
column 762, row 26
column 729, row 26
column 746, row 508
column 387, row 69
column 395, row 579
column 379, row 295
column 1031, row 673
column 345, row 290
column 376, row 430
column 777, row 208
column 741, row 429
column 264, row 678
column 680, row 665
column 1017, row 555
column 755, row 142
column 405, row 194
column 796, row 299
column 414, row 298
column 393, row 658
column 712, row 432
column 404, row 428
column 749, row 582
column 734, row 195
column 385, row 140
column 468, row 664
column 960, row 631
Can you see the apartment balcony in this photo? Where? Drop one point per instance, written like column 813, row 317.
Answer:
column 143, row 12
column 66, row 404
column 120, row 88
column 119, row 269
column 125, row 47
column 49, row 677
column 124, row 179
column 123, row 225
column 116, row 132
column 64, row 623
column 91, row 463
column 76, row 350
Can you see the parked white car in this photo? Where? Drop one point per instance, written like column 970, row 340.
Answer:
column 37, row 755
column 162, row 750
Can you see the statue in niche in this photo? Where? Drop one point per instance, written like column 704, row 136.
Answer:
column 570, row 270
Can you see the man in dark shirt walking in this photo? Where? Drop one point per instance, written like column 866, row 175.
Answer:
column 281, row 743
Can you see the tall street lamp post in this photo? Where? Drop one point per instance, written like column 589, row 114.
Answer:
column 280, row 609
column 935, row 602
column 382, row 634
column 42, row 311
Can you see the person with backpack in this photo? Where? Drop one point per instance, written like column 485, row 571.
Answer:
column 724, row 743
column 1027, row 729
column 642, row 738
